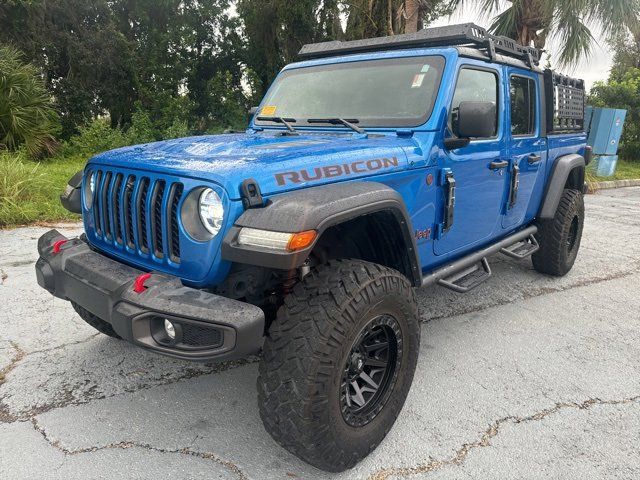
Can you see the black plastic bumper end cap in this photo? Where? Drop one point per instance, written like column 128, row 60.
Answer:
column 45, row 276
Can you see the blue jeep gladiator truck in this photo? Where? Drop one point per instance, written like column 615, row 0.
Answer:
column 370, row 169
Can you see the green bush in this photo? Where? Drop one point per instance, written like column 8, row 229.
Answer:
column 177, row 129
column 142, row 129
column 27, row 116
column 96, row 137
column 623, row 92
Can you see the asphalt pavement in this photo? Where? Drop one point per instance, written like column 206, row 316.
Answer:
column 526, row 377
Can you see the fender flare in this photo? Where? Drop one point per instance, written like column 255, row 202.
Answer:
column 558, row 180
column 71, row 197
column 318, row 208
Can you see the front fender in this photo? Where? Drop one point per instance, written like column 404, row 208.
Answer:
column 317, row 208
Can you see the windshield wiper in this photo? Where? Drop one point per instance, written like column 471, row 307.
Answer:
column 339, row 121
column 284, row 121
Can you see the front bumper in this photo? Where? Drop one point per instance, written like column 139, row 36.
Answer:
column 217, row 328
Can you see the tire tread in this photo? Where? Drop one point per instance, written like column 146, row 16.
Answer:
column 299, row 357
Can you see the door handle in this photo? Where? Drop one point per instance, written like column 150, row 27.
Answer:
column 498, row 165
column 533, row 159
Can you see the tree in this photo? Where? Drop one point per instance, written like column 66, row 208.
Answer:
column 626, row 48
column 86, row 62
column 377, row 18
column 533, row 22
column 275, row 31
column 27, row 116
column 178, row 48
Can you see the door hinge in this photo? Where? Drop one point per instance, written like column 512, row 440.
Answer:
column 514, row 186
column 448, row 183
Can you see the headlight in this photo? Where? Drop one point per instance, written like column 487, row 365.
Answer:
column 89, row 190
column 211, row 211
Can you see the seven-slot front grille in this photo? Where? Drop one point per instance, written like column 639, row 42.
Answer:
column 138, row 212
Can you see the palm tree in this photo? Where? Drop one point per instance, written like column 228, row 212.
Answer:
column 375, row 18
column 27, row 117
column 533, row 22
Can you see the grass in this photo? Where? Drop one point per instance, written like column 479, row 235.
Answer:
column 30, row 191
column 625, row 170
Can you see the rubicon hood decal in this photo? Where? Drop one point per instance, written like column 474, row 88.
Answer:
column 333, row 171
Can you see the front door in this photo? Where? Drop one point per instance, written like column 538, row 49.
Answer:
column 527, row 147
column 479, row 169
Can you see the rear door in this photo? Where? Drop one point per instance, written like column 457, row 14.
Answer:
column 527, row 147
column 479, row 169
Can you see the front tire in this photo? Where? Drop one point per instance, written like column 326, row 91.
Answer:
column 560, row 238
column 338, row 363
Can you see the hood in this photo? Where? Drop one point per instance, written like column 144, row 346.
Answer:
column 277, row 162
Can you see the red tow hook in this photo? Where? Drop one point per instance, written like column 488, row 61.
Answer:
column 58, row 245
column 138, row 284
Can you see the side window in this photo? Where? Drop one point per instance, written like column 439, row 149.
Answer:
column 523, row 106
column 474, row 86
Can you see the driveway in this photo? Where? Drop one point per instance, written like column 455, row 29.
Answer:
column 526, row 377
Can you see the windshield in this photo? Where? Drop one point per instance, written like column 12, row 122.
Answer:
column 395, row 92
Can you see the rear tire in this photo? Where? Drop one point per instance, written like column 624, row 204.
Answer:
column 95, row 322
column 327, row 342
column 560, row 237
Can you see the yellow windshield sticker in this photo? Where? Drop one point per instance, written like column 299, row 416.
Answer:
column 269, row 110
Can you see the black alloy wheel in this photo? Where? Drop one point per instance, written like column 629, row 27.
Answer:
column 371, row 371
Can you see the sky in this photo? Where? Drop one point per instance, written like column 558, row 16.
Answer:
column 590, row 69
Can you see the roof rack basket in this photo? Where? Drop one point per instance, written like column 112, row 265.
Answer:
column 467, row 34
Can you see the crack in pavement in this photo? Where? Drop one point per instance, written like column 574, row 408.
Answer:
column 125, row 445
column 527, row 295
column 485, row 439
column 19, row 355
column 64, row 345
column 69, row 399
column 5, row 415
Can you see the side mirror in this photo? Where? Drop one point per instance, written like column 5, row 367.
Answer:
column 253, row 111
column 477, row 120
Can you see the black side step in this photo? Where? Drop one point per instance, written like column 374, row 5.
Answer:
column 449, row 271
column 523, row 249
column 468, row 279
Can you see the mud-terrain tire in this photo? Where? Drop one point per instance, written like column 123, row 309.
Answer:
column 332, row 330
column 95, row 322
column 560, row 237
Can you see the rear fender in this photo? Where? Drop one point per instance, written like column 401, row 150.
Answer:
column 568, row 172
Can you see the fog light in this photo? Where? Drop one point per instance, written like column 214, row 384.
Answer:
column 170, row 329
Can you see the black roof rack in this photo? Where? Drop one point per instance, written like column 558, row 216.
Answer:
column 467, row 34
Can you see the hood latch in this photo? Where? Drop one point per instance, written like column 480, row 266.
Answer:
column 251, row 195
